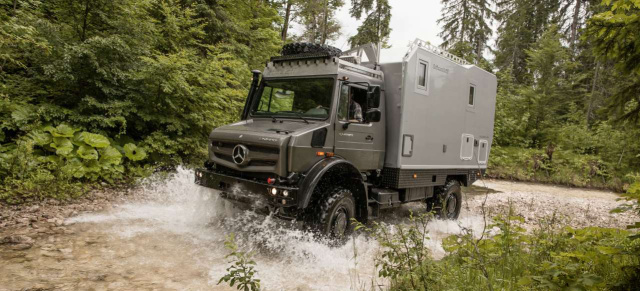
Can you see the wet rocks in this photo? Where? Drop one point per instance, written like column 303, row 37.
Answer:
column 39, row 287
column 45, row 218
column 17, row 242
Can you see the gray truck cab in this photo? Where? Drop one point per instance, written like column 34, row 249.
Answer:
column 317, row 142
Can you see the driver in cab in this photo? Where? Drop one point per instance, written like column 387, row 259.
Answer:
column 355, row 110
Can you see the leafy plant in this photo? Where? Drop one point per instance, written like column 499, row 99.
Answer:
column 242, row 271
column 64, row 155
column 405, row 258
column 633, row 197
column 505, row 256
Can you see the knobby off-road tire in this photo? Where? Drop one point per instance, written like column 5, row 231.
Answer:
column 332, row 216
column 305, row 47
column 447, row 201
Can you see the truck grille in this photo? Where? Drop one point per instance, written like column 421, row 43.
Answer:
column 260, row 156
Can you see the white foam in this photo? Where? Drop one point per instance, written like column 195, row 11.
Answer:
column 287, row 258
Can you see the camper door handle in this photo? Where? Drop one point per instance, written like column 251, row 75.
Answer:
column 369, row 138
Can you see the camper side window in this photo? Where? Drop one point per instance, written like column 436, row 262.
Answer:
column 352, row 104
column 472, row 93
column 423, row 74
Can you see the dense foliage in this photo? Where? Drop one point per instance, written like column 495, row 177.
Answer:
column 567, row 89
column 154, row 74
column 159, row 74
column 505, row 256
column 375, row 27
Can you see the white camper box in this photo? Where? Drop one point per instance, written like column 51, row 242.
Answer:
column 441, row 110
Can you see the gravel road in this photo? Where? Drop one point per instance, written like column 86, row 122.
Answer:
column 169, row 236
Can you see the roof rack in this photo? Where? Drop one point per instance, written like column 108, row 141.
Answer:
column 303, row 56
column 436, row 50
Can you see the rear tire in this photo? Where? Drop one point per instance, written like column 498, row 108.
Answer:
column 447, row 201
column 332, row 218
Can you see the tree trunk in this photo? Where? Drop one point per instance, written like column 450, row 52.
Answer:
column 479, row 47
column 574, row 24
column 324, row 22
column 593, row 93
column 15, row 7
column 285, row 27
column 313, row 36
column 84, row 21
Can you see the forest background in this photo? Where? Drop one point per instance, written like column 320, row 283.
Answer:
column 96, row 93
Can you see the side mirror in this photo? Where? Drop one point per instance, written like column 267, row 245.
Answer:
column 374, row 115
column 373, row 97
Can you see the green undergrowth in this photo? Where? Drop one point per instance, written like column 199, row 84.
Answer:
column 504, row 256
column 64, row 162
column 562, row 167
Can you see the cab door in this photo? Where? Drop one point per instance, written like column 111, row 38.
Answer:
column 357, row 139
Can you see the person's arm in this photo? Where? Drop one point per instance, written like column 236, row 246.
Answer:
column 358, row 112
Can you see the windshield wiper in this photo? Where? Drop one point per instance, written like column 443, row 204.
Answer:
column 298, row 114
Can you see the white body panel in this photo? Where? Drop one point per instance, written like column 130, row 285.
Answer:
column 434, row 126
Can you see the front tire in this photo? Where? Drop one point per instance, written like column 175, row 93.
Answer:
column 447, row 202
column 333, row 217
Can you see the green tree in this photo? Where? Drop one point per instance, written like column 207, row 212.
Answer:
column 375, row 28
column 159, row 74
column 548, row 61
column 318, row 20
column 615, row 35
column 466, row 21
column 522, row 23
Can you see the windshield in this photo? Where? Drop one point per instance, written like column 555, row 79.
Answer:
column 295, row 98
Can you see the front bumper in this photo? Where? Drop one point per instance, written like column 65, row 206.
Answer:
column 247, row 191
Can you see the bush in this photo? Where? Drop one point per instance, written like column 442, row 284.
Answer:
column 54, row 161
column 563, row 167
column 130, row 76
column 506, row 257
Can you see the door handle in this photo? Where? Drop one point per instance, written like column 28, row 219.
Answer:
column 369, row 138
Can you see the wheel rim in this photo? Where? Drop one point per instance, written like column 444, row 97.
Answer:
column 340, row 223
column 452, row 204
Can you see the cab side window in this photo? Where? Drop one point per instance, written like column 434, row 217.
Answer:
column 352, row 104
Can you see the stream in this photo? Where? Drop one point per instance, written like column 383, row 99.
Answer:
column 173, row 239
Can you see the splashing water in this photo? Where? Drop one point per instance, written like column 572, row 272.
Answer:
column 186, row 224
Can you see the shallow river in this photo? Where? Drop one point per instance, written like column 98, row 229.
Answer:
column 174, row 240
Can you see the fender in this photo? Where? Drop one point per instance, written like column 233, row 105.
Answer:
column 316, row 173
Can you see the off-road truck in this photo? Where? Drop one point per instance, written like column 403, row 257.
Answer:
column 327, row 136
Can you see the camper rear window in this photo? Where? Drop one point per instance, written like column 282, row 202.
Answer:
column 422, row 74
column 472, row 93
column 295, row 98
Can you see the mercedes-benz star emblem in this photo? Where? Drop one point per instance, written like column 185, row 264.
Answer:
column 240, row 154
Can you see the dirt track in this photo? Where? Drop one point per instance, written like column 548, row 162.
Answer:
column 169, row 237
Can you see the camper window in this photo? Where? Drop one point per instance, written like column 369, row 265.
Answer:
column 472, row 93
column 423, row 74
column 352, row 104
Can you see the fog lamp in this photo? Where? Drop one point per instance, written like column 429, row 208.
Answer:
column 274, row 191
column 285, row 193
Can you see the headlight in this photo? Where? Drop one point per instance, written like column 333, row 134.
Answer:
column 285, row 193
column 274, row 191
